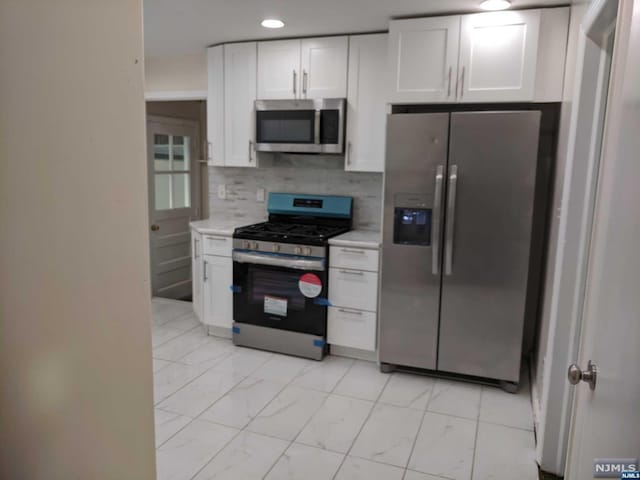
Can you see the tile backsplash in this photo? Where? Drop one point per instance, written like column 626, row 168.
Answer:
column 310, row 174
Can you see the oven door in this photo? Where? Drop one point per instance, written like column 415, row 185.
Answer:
column 280, row 291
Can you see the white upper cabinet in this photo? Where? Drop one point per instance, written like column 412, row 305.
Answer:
column 279, row 69
column 240, row 64
column 498, row 56
column 423, row 59
column 324, row 67
column 215, row 105
column 366, row 105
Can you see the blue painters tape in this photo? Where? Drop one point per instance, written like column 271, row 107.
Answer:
column 319, row 343
column 235, row 288
column 235, row 329
column 322, row 301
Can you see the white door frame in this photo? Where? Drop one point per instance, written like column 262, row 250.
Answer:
column 576, row 222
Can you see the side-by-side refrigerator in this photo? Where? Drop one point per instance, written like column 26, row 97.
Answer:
column 458, row 209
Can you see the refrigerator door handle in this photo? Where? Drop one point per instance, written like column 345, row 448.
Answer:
column 437, row 221
column 451, row 216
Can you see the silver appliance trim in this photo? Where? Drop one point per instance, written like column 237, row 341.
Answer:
column 451, row 218
column 316, row 105
column 437, row 221
column 276, row 260
column 283, row 341
column 282, row 248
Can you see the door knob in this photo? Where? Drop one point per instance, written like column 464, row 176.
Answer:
column 155, row 227
column 575, row 374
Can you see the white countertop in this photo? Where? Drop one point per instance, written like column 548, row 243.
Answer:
column 358, row 239
column 222, row 226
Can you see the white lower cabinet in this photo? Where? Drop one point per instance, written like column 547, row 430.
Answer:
column 353, row 288
column 196, row 273
column 217, row 276
column 351, row 328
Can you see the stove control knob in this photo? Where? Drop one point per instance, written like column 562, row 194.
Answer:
column 275, row 247
column 297, row 250
column 307, row 251
column 247, row 244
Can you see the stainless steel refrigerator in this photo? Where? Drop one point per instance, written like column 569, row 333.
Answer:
column 458, row 208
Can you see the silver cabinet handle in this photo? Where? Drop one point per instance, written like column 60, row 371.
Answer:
column 351, row 250
column 204, row 271
column 352, row 272
column 451, row 216
column 209, row 148
column 219, row 239
column 449, row 84
column 437, row 220
column 295, row 81
column 250, row 151
column 462, row 83
column 349, row 153
column 352, row 312
column 316, row 128
column 195, row 248
column 305, row 78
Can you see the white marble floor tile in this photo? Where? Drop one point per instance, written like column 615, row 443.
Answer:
column 355, row 468
column 337, row 423
column 502, row 452
column 165, row 309
column 171, row 378
column 412, row 475
column 281, row 368
column 240, row 405
column 167, row 424
column 444, row 446
column 201, row 393
column 455, row 398
column 190, row 449
column 323, row 375
column 162, row 334
column 210, row 353
column 406, row 390
column 304, row 462
column 388, row 435
column 512, row 410
column 243, row 361
column 363, row 380
column 287, row 413
column 159, row 364
column 249, row 456
column 184, row 323
column 178, row 347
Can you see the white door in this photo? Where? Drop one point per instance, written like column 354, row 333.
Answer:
column 366, row 104
column 279, row 69
column 173, row 202
column 218, row 298
column 196, row 272
column 239, row 95
column 498, row 55
column 324, row 67
column 215, row 105
column 423, row 59
column 606, row 421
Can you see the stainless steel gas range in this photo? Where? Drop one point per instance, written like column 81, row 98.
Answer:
column 280, row 274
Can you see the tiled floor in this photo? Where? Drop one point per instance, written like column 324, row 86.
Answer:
column 226, row 412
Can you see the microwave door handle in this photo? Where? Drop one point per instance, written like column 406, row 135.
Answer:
column 316, row 128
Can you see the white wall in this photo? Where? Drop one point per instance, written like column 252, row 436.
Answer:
column 184, row 75
column 75, row 338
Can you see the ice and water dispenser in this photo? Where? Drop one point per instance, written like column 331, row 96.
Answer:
column 412, row 220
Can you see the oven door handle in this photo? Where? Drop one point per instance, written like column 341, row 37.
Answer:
column 298, row 263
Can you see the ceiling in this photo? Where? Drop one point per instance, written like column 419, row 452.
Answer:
column 174, row 27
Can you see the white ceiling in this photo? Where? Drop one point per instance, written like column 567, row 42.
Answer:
column 173, row 27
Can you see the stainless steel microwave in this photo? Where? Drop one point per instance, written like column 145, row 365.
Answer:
column 300, row 126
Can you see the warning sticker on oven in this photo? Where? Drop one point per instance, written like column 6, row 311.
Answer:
column 275, row 305
column 310, row 285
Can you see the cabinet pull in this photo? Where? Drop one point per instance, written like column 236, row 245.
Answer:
column 295, row 75
column 250, row 151
column 349, row 153
column 195, row 248
column 352, row 312
column 204, row 271
column 209, row 147
column 219, row 239
column 449, row 84
column 352, row 272
column 462, row 83
column 351, row 250
column 304, row 82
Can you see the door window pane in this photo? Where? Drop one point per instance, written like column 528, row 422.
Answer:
column 181, row 191
column 180, row 153
column 163, row 192
column 172, row 182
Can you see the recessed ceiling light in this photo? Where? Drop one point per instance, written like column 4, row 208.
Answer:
column 495, row 4
column 272, row 23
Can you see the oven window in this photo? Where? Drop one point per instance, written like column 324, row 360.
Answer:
column 276, row 284
column 285, row 126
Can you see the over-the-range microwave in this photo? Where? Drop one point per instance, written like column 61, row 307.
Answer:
column 300, row 126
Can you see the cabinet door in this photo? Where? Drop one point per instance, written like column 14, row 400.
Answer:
column 239, row 95
column 423, row 59
column 218, row 298
column 366, row 105
column 324, row 67
column 498, row 54
column 196, row 273
column 215, row 105
column 279, row 69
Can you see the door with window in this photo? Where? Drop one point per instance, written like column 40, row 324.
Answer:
column 173, row 146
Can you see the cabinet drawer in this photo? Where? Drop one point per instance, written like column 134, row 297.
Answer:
column 354, row 258
column 353, row 289
column 217, row 245
column 351, row 328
